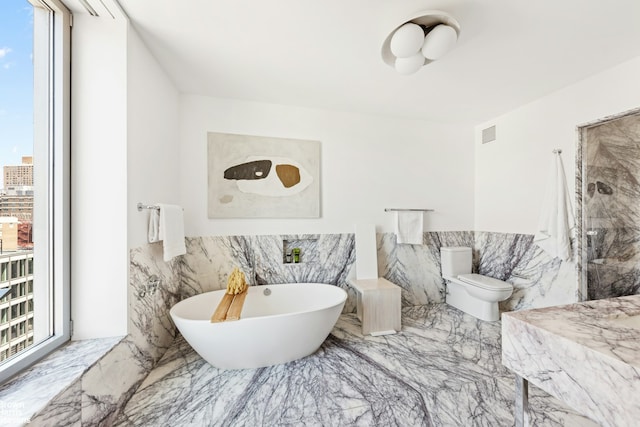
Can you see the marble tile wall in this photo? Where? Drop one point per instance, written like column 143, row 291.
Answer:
column 538, row 280
column 416, row 268
column 325, row 258
column 108, row 384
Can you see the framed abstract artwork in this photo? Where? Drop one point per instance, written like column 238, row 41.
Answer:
column 262, row 177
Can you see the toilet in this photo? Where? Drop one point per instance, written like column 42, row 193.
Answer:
column 474, row 294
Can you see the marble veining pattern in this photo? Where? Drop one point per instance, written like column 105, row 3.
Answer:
column 416, row 268
column 109, row 382
column 37, row 389
column 326, row 258
column 150, row 327
column 607, row 204
column 582, row 282
column 64, row 410
column 538, row 279
column 443, row 369
column 586, row 354
column 107, row 386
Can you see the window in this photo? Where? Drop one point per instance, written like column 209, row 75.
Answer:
column 14, row 269
column 34, row 191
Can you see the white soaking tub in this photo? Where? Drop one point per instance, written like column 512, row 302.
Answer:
column 279, row 323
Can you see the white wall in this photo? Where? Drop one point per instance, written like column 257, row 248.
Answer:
column 99, row 266
column 152, row 134
column 368, row 163
column 511, row 172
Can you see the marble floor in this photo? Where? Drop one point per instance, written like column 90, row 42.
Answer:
column 443, row 369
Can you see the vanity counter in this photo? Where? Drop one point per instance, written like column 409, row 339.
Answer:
column 585, row 354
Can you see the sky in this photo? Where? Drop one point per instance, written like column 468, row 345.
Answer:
column 16, row 81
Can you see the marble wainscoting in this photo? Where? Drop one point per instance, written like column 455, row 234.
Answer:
column 538, row 279
column 107, row 384
column 325, row 258
column 416, row 268
column 110, row 384
column 444, row 369
column 116, row 376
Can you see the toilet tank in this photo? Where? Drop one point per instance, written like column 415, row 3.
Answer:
column 455, row 260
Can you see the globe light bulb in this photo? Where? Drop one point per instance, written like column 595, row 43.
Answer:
column 407, row 40
column 409, row 65
column 439, row 41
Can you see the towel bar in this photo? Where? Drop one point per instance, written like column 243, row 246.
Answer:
column 412, row 210
column 141, row 206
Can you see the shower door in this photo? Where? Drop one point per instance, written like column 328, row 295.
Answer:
column 609, row 262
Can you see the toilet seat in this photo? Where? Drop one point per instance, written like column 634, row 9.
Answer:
column 484, row 282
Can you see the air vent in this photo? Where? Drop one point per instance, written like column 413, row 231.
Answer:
column 489, row 134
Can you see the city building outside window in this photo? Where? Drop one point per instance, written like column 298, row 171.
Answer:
column 34, row 184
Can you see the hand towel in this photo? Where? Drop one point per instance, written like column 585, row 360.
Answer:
column 409, row 227
column 556, row 219
column 172, row 231
column 154, row 226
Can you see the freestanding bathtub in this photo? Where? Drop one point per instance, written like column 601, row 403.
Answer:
column 279, row 323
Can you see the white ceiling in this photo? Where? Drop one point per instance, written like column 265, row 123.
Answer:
column 326, row 53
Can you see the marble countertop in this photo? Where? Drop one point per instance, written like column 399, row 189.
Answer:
column 586, row 354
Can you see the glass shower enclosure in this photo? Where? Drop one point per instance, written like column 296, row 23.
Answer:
column 608, row 200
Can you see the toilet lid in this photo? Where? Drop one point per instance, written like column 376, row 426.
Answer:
column 485, row 282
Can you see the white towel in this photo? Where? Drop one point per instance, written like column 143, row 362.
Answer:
column 154, row 226
column 172, row 231
column 409, row 227
column 556, row 219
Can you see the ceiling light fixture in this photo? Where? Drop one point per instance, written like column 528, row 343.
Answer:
column 420, row 40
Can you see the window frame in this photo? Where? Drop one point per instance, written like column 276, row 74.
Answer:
column 59, row 193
